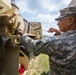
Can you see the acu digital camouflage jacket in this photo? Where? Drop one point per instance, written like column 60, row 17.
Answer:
column 60, row 49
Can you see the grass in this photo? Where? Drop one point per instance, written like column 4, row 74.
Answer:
column 39, row 65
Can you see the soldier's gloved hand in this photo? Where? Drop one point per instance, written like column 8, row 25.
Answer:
column 19, row 31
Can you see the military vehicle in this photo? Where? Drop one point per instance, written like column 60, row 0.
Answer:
column 11, row 53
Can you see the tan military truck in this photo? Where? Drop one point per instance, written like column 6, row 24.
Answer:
column 11, row 54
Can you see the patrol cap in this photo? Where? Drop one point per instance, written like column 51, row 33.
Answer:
column 67, row 11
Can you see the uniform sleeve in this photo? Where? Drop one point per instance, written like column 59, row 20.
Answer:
column 37, row 46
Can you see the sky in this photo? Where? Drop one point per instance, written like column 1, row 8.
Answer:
column 44, row 11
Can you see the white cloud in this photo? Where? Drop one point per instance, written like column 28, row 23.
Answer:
column 50, row 7
column 66, row 1
column 23, row 7
column 46, row 18
column 47, row 5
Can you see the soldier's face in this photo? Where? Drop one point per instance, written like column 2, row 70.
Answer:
column 63, row 24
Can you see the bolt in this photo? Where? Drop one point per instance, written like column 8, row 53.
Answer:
column 1, row 7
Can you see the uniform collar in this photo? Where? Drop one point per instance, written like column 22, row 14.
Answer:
column 70, row 32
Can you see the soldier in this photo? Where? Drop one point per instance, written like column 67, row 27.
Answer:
column 61, row 49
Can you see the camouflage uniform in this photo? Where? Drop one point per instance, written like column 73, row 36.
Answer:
column 60, row 49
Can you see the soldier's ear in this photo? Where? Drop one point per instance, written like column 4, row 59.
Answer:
column 70, row 20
